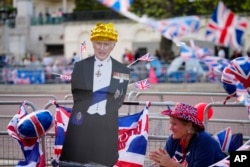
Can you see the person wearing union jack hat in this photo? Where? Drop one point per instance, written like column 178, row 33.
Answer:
column 189, row 144
column 99, row 85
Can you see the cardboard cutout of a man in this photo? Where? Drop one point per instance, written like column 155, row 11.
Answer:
column 99, row 85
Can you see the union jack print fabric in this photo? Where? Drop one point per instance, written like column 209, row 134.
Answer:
column 224, row 138
column 142, row 85
column 226, row 161
column 193, row 51
column 225, row 27
column 175, row 27
column 133, row 136
column 62, row 116
column 132, row 140
column 237, row 72
column 147, row 57
column 33, row 155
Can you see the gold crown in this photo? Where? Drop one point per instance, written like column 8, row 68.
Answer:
column 104, row 32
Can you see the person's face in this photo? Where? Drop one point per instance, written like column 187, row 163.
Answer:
column 179, row 128
column 102, row 49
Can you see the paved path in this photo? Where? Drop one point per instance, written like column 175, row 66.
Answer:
column 65, row 88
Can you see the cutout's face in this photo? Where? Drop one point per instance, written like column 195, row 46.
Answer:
column 102, row 49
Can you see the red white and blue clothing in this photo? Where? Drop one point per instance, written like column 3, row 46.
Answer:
column 202, row 150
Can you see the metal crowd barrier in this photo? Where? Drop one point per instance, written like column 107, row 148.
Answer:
column 159, row 125
column 10, row 152
column 28, row 96
column 161, row 95
column 135, row 95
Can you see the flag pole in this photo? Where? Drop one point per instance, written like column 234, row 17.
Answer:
column 132, row 63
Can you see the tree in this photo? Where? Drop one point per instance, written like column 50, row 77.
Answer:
column 89, row 5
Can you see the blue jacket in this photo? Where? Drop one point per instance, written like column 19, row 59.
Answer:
column 202, row 151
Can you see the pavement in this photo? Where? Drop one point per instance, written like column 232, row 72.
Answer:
column 66, row 88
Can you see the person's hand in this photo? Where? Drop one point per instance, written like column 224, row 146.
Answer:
column 161, row 158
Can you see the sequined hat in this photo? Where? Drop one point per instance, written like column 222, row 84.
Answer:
column 186, row 112
column 104, row 32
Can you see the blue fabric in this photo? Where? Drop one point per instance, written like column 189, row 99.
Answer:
column 203, row 150
column 100, row 95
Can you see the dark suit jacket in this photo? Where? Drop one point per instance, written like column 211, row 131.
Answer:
column 94, row 138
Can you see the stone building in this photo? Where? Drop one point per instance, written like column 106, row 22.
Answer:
column 38, row 34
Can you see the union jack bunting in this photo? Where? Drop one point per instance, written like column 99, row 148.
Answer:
column 33, row 155
column 175, row 27
column 225, row 27
column 142, row 85
column 147, row 57
column 117, row 5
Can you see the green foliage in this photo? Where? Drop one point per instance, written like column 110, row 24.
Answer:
column 169, row 8
column 174, row 8
column 88, row 5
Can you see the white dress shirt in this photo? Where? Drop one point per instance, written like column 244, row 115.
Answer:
column 104, row 69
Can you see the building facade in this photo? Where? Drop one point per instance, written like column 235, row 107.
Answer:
column 40, row 35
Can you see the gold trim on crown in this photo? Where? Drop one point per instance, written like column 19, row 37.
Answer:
column 104, row 32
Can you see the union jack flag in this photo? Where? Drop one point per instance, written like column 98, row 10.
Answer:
column 216, row 66
column 193, row 51
column 223, row 163
column 117, row 5
column 147, row 57
column 136, row 126
column 223, row 137
column 225, row 27
column 142, row 85
column 65, row 77
column 62, row 116
column 33, row 156
column 236, row 72
column 226, row 161
column 83, row 47
column 133, row 138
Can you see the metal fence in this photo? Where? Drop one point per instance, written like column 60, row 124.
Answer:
column 10, row 152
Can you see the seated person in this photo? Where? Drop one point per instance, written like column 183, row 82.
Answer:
column 189, row 144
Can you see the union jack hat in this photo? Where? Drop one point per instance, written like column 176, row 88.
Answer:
column 186, row 112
